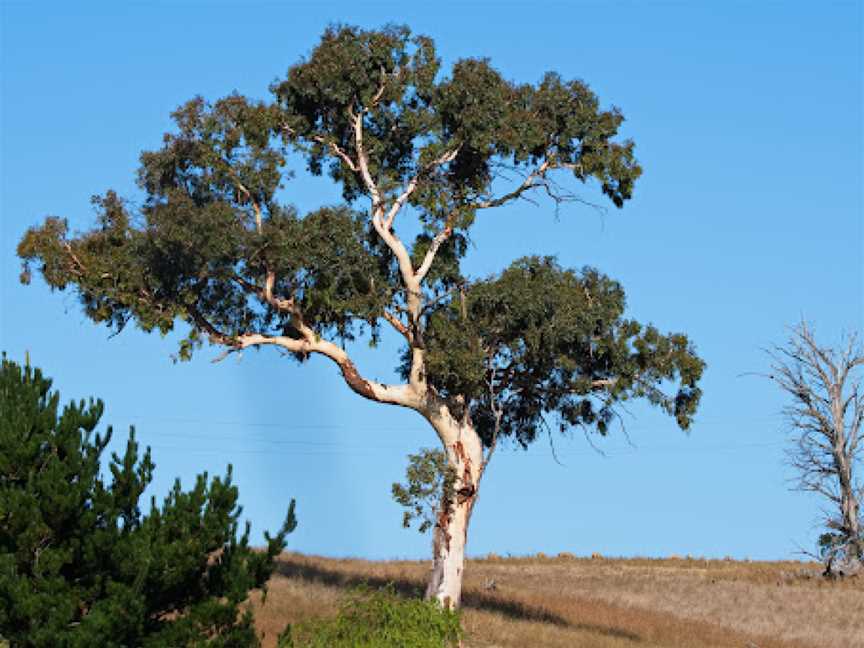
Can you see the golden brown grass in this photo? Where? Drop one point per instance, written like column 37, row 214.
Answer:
column 598, row 602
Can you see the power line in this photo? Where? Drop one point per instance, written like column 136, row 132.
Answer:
column 346, row 450
column 284, row 426
column 342, row 448
column 337, row 426
column 258, row 439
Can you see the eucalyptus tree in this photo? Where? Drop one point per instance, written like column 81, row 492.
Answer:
column 214, row 246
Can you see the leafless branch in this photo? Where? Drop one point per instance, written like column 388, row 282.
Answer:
column 532, row 180
column 825, row 416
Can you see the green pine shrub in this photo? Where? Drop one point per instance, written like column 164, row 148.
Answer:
column 379, row 619
column 81, row 566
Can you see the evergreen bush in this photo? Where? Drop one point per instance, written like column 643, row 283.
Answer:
column 81, row 566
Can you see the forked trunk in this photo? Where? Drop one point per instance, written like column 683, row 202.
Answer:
column 465, row 455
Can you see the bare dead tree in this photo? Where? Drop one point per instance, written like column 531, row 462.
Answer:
column 825, row 418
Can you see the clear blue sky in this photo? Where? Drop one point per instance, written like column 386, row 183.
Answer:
column 748, row 122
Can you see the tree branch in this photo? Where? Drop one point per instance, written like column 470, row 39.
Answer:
column 363, row 160
column 426, row 265
column 446, row 157
column 498, row 412
column 397, row 324
column 393, row 242
column 335, row 148
column 380, row 92
column 255, row 206
column 397, row 247
column 528, row 183
column 79, row 267
column 403, row 395
column 339, row 152
column 276, row 302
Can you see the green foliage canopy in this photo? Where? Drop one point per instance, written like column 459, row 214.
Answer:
column 539, row 339
column 212, row 245
column 80, row 565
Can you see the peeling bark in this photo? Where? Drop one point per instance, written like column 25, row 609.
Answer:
column 464, row 454
column 355, row 381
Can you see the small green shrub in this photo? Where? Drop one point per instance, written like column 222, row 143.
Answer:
column 378, row 619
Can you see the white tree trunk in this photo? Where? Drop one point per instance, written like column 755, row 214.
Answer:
column 465, row 455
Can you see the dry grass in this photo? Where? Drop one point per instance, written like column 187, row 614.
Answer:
column 604, row 603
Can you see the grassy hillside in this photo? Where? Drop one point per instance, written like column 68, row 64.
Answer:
column 608, row 603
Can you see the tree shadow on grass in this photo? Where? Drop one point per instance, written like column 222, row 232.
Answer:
column 299, row 569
